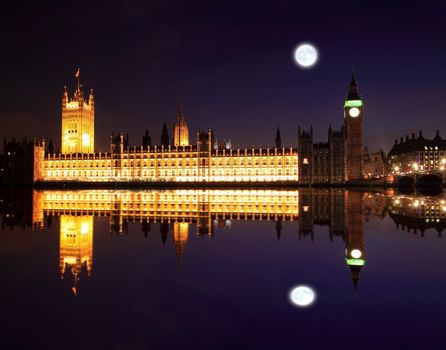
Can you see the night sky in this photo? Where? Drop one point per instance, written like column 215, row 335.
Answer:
column 231, row 61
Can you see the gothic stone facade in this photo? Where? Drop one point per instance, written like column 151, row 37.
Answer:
column 334, row 162
column 340, row 159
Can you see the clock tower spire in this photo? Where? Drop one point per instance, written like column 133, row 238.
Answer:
column 353, row 120
column 353, row 93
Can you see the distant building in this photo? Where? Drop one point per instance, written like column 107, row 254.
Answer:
column 17, row 208
column 23, row 161
column 418, row 214
column 417, row 154
column 375, row 164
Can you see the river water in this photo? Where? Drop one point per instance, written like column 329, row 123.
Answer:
column 214, row 269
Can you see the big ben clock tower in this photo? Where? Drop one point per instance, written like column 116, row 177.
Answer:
column 353, row 118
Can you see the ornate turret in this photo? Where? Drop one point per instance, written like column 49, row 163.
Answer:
column 91, row 99
column 146, row 140
column 278, row 139
column 181, row 131
column 119, row 142
column 165, row 136
column 77, row 121
column 205, row 140
column 64, row 97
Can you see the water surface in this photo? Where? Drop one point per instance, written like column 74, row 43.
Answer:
column 202, row 269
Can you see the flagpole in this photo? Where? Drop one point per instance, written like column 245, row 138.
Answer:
column 78, row 79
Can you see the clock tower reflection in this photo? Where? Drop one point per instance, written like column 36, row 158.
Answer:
column 354, row 240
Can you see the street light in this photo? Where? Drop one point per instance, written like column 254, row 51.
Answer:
column 415, row 166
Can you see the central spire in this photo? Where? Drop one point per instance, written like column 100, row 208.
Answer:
column 353, row 93
column 181, row 131
column 180, row 114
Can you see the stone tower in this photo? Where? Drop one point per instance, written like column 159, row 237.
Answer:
column 278, row 139
column 353, row 121
column 205, row 140
column 336, row 155
column 180, row 131
column 77, row 121
column 164, row 136
column 305, row 151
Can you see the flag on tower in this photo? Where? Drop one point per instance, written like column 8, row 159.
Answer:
column 78, row 73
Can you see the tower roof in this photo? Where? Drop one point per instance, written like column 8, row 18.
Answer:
column 353, row 93
column 355, row 272
column 180, row 114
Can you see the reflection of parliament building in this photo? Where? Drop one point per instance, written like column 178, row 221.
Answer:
column 184, row 214
column 76, row 246
column 178, row 160
column 175, row 212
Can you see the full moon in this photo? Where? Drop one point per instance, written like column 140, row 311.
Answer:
column 302, row 296
column 306, row 55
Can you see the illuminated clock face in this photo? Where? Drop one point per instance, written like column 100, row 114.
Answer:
column 356, row 253
column 353, row 112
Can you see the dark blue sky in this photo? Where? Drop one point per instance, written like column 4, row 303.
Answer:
column 230, row 60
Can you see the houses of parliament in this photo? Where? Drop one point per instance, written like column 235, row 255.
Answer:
column 337, row 161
